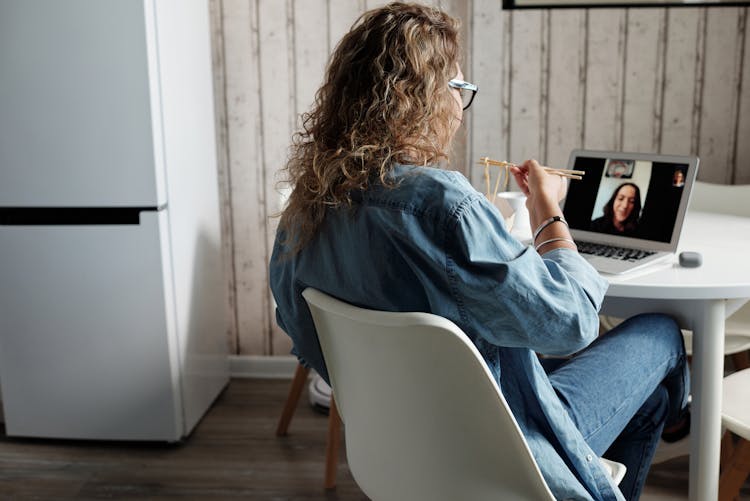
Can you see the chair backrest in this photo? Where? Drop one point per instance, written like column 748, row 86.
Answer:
column 732, row 200
column 423, row 415
column 721, row 199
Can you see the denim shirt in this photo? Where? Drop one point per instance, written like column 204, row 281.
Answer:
column 434, row 244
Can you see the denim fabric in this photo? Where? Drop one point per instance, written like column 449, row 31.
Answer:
column 621, row 404
column 434, row 244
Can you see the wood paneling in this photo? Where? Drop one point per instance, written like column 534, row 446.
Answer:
column 742, row 160
column 644, row 61
column 718, row 113
column 605, row 50
column 245, row 170
column 488, row 36
column 526, row 83
column 567, row 83
column 225, row 183
column 682, row 80
column 675, row 80
column 309, row 59
column 341, row 16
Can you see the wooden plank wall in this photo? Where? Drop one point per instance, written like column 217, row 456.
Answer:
column 674, row 80
column 657, row 79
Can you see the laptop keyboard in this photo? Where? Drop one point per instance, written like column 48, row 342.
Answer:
column 612, row 252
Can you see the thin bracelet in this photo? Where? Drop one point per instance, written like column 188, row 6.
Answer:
column 548, row 222
column 559, row 239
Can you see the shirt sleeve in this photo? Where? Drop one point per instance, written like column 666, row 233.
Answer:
column 510, row 295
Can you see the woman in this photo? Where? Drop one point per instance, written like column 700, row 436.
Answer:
column 621, row 212
column 678, row 178
column 372, row 220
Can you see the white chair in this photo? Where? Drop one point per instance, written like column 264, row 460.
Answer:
column 423, row 416
column 735, row 417
column 732, row 200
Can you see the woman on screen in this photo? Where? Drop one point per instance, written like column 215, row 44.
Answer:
column 678, row 179
column 621, row 212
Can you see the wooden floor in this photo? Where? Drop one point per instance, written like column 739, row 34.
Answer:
column 233, row 453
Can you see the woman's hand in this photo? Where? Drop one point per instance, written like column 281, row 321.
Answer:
column 543, row 191
column 535, row 181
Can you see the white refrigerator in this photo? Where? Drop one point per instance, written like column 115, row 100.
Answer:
column 112, row 303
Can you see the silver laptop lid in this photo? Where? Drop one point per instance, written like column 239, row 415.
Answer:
column 635, row 200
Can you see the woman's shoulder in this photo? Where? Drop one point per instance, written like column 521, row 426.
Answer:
column 450, row 179
column 425, row 189
column 600, row 223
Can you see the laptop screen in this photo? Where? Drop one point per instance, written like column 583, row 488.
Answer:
column 628, row 198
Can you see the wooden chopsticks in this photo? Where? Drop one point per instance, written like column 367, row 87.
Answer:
column 570, row 174
column 487, row 161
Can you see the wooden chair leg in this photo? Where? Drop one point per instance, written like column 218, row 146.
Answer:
column 735, row 473
column 295, row 390
column 727, row 449
column 332, row 445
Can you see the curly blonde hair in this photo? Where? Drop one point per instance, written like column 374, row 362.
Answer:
column 385, row 99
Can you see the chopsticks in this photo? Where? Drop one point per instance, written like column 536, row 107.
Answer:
column 570, row 174
column 487, row 161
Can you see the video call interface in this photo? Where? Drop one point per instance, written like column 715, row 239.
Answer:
column 625, row 197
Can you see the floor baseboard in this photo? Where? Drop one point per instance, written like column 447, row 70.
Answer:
column 256, row 366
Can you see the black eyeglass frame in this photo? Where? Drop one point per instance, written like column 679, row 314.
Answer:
column 461, row 85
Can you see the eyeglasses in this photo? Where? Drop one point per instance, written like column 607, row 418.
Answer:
column 466, row 89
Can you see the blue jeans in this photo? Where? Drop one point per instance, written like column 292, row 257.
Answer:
column 623, row 389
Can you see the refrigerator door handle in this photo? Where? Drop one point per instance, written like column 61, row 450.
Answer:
column 69, row 216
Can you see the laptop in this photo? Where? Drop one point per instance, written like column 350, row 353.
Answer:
column 627, row 211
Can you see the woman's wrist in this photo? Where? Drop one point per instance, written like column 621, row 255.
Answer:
column 542, row 209
column 555, row 243
column 550, row 230
column 545, row 224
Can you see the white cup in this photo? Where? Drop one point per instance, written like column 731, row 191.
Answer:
column 512, row 205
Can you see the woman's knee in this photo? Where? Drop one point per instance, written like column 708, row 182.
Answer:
column 656, row 332
column 658, row 327
column 666, row 328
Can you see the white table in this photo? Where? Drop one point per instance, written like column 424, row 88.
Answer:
column 700, row 299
